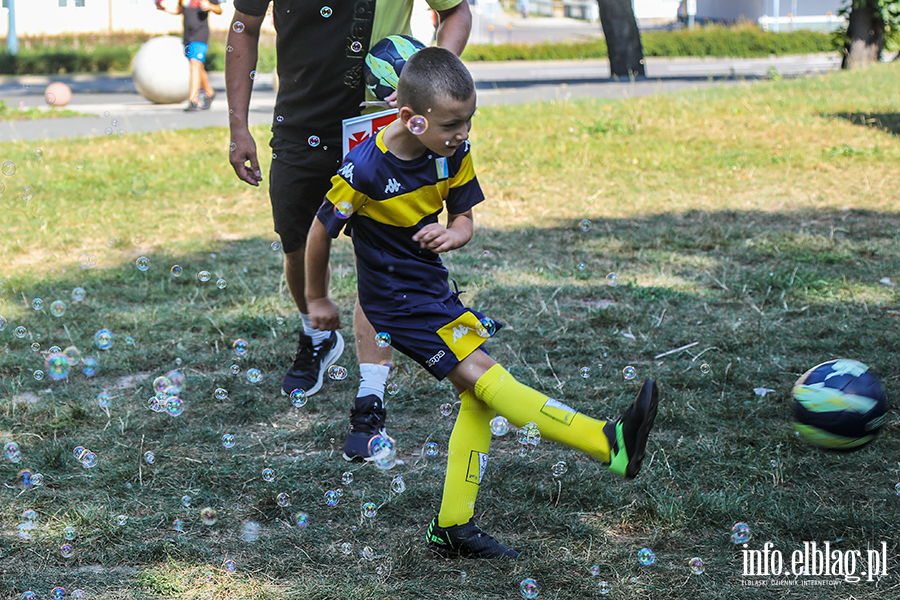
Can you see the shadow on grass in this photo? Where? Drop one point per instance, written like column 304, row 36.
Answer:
column 888, row 122
column 765, row 296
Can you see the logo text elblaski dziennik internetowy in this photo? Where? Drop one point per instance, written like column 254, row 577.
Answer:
column 816, row 560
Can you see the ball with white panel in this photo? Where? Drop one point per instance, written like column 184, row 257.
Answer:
column 839, row 405
column 384, row 62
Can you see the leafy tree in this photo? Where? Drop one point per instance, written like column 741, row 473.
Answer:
column 871, row 25
column 623, row 40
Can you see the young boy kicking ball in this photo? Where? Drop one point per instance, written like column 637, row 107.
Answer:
column 390, row 191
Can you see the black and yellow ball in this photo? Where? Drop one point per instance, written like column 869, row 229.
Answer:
column 385, row 61
column 839, row 405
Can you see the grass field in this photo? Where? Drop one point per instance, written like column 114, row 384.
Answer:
column 759, row 221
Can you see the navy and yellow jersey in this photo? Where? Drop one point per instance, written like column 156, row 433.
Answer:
column 392, row 199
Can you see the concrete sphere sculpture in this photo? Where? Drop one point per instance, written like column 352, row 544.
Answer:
column 161, row 71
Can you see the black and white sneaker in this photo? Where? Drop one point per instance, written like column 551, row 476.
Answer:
column 465, row 541
column 311, row 363
column 366, row 421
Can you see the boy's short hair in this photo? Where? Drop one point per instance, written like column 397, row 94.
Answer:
column 432, row 73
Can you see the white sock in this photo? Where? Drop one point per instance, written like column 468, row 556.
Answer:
column 317, row 336
column 372, row 380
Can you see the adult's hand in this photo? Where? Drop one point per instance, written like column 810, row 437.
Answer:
column 243, row 158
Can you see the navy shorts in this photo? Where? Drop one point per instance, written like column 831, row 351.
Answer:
column 299, row 178
column 437, row 335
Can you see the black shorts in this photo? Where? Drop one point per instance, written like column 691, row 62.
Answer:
column 437, row 335
column 299, row 178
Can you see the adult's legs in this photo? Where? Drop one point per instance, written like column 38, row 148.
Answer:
column 196, row 79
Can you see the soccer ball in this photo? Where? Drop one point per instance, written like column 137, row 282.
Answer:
column 384, row 62
column 839, row 405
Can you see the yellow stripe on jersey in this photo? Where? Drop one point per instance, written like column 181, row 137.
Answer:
column 341, row 191
column 461, row 335
column 465, row 174
column 406, row 210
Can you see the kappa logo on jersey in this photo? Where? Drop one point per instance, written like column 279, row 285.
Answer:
column 347, row 172
column 466, row 143
column 435, row 359
column 459, row 332
column 392, row 186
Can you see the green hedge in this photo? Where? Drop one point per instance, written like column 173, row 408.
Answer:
column 743, row 40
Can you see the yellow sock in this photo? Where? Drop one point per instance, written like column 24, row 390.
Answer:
column 467, row 454
column 556, row 421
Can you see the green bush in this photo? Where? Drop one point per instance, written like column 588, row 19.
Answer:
column 714, row 40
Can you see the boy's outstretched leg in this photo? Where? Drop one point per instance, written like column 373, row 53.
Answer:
column 628, row 434
column 454, row 532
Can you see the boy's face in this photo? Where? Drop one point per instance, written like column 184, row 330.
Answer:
column 449, row 122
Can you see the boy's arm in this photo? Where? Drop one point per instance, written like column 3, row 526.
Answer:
column 238, row 86
column 210, row 7
column 456, row 234
column 323, row 314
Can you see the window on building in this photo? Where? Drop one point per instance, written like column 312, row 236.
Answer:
column 79, row 3
column 62, row 3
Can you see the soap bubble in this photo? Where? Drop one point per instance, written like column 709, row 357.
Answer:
column 382, row 451
column 740, row 533
column 347, row 478
column 398, row 486
column 299, row 398
column 446, row 409
column 221, row 394
column 254, row 375
column 228, row 440
column 382, row 340
column 174, row 406
column 235, row 369
column 176, row 381
column 3, row 323
column 178, row 525
column 35, row 347
column 57, row 366
column 392, row 388
column 58, row 593
column 149, row 458
column 646, row 556
column 486, row 327
column 326, row 11
column 238, row 27
column 57, row 308
column 585, row 225
column 78, row 294
column 77, row 594
column 431, row 449
column 313, row 140
column 283, row 499
column 12, row 452
column 69, row 533
column 897, row 489
column 268, row 475
column 86, row 261
column 594, row 570
column 38, row 375
column 138, row 185
column 103, row 399
column 79, row 164
column 331, row 498
column 629, row 372
column 301, row 519
column 275, row 246
column 37, row 304
column 240, row 347
column 186, row 501
column 8, row 168
column 20, row 331
column 343, row 209
column 66, row 550
column 603, row 587
column 612, row 280
column 229, row 566
column 337, row 373
column 696, row 566
column 160, row 384
column 347, row 548
column 559, row 469
column 176, row 271
column 221, row 283
column 104, row 339
column 417, row 125
column 250, row 531
column 529, row 588
column 89, row 460
column 204, row 276
column 369, row 510
column 89, row 366
column 705, row 368
column 142, row 263
column 585, row 372
column 581, row 266
column 208, row 516
column 499, row 425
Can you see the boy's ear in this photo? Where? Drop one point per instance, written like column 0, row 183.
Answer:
column 406, row 113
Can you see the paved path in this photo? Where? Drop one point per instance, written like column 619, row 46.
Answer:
column 115, row 105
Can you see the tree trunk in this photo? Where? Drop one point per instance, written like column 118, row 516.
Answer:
column 623, row 40
column 866, row 32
